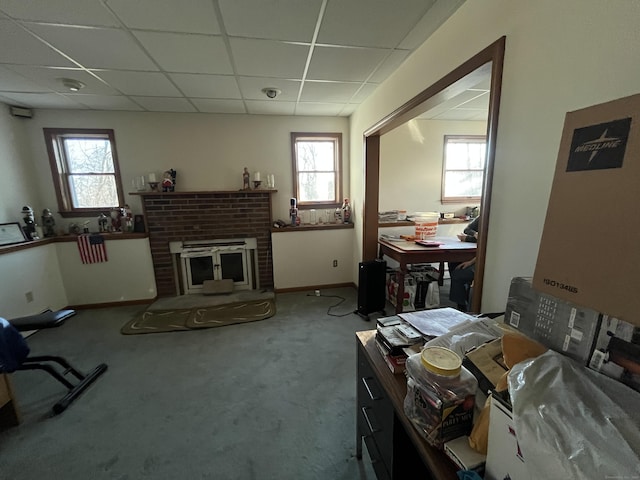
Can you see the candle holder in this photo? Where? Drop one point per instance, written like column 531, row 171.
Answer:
column 153, row 186
column 256, row 184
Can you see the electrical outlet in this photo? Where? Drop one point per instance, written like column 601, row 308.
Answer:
column 29, row 297
column 335, row 263
column 317, row 293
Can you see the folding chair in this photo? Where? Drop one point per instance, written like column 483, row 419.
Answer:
column 14, row 355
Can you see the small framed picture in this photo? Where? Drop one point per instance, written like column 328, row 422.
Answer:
column 11, row 233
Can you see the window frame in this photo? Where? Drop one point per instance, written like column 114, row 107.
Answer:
column 471, row 139
column 59, row 168
column 336, row 138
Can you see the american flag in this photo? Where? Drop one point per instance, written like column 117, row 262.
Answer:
column 92, row 248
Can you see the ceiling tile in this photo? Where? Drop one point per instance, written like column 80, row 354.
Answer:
column 96, row 47
column 207, row 105
column 10, row 81
column 389, row 65
column 439, row 12
column 328, row 92
column 319, row 109
column 251, row 88
column 370, row 23
column 69, row 12
column 288, row 19
column 18, row 46
column 42, row 100
column 263, row 107
column 187, row 53
column 207, row 86
column 106, row 102
column 51, row 78
column 264, row 58
column 459, row 114
column 480, row 102
column 346, row 64
column 194, row 16
column 164, row 104
column 365, row 90
column 153, row 84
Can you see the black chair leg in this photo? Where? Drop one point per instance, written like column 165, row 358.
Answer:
column 74, row 390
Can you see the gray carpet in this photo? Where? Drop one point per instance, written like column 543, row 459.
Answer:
column 273, row 399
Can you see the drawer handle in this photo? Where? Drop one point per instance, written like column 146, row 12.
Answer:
column 369, row 391
column 372, row 429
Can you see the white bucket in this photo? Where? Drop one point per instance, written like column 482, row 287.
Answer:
column 426, row 224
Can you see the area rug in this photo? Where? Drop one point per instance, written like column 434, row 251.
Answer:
column 158, row 321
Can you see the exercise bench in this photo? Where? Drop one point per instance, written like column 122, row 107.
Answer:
column 14, row 355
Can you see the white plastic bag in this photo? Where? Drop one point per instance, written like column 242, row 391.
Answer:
column 572, row 422
column 432, row 299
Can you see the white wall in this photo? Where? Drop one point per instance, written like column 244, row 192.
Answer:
column 208, row 151
column 305, row 258
column 18, row 180
column 35, row 271
column 126, row 275
column 411, row 158
column 560, row 56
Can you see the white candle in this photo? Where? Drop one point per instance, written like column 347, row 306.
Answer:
column 256, row 176
column 152, row 177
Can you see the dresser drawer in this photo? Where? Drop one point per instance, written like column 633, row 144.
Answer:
column 378, row 464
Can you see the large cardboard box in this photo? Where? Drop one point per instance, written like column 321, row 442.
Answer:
column 589, row 251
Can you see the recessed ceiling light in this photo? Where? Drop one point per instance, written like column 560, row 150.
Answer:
column 72, row 84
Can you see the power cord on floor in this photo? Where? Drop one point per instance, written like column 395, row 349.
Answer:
column 342, row 299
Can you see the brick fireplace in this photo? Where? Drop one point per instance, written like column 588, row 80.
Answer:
column 189, row 216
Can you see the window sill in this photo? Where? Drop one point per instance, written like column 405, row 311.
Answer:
column 67, row 238
column 311, row 228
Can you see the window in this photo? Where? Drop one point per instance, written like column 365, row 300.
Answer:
column 463, row 167
column 317, row 166
column 84, row 165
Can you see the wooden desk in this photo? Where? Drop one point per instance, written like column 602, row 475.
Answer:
column 9, row 415
column 396, row 449
column 410, row 253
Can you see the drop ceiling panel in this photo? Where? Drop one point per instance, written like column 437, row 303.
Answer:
column 328, row 92
column 345, row 64
column 366, row 90
column 154, row 84
column 207, row 105
column 292, row 20
column 105, row 102
column 461, row 114
column 270, row 107
column 96, row 47
column 51, row 78
column 389, row 65
column 42, row 100
column 251, row 88
column 70, row 12
column 207, row 86
column 481, row 102
column 165, row 104
column 370, row 23
column 11, row 81
column 192, row 16
column 187, row 53
column 319, row 109
column 437, row 14
column 18, row 46
column 264, row 58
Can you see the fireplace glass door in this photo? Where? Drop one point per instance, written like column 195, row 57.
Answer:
column 217, row 266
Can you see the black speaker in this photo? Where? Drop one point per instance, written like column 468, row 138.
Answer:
column 371, row 286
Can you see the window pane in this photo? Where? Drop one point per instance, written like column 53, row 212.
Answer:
column 88, row 155
column 315, row 155
column 463, row 184
column 316, row 187
column 93, row 191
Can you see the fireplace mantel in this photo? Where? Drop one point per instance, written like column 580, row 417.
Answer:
column 201, row 215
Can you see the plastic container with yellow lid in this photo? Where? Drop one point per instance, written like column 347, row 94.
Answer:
column 440, row 395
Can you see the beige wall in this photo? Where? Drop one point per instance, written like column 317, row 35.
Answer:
column 411, row 158
column 560, row 56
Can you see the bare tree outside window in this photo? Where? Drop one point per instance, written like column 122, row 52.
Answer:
column 84, row 163
column 316, row 165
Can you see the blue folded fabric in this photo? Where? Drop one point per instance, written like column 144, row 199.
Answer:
column 468, row 475
column 13, row 347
